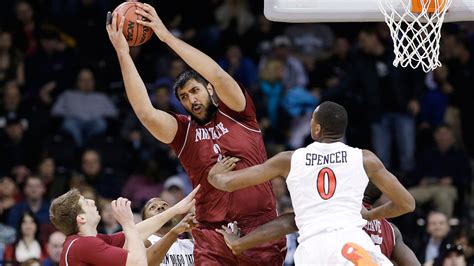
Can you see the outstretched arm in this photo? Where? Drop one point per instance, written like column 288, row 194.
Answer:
column 402, row 255
column 157, row 251
column 279, row 227
column 161, row 124
column 401, row 201
column 226, row 87
column 278, row 165
column 153, row 224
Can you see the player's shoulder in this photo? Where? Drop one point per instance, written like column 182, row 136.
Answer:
column 370, row 159
column 91, row 240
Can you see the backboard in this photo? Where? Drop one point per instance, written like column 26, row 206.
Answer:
column 348, row 10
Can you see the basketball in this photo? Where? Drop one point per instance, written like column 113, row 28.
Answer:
column 135, row 33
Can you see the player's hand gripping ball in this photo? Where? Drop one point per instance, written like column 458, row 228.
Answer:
column 135, row 34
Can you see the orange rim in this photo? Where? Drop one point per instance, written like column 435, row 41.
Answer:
column 433, row 6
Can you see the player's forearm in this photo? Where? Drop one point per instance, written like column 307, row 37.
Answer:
column 153, row 224
column 134, row 246
column 387, row 210
column 157, row 252
column 235, row 180
column 134, row 86
column 198, row 61
column 275, row 229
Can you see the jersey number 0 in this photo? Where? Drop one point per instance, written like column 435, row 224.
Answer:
column 329, row 183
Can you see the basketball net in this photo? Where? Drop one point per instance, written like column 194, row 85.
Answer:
column 415, row 27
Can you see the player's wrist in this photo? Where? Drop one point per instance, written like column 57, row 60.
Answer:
column 123, row 52
column 164, row 35
column 126, row 226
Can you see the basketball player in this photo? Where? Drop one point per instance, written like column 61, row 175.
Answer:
column 164, row 247
column 383, row 234
column 221, row 122
column 326, row 181
column 77, row 217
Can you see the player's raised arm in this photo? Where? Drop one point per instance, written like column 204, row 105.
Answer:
column 226, row 87
column 401, row 201
column 279, row 227
column 133, row 244
column 220, row 177
column 161, row 124
column 153, row 224
column 157, row 251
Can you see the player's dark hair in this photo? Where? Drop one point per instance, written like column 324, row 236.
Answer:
column 333, row 119
column 186, row 76
column 371, row 194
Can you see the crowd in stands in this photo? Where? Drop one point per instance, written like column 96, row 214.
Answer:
column 65, row 120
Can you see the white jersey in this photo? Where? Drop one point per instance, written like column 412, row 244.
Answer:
column 180, row 253
column 327, row 183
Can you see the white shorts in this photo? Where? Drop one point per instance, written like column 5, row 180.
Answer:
column 327, row 248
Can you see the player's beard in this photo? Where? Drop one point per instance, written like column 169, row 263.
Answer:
column 209, row 113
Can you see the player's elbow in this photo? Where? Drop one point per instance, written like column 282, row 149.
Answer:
column 409, row 204
column 144, row 114
column 220, row 182
column 225, row 184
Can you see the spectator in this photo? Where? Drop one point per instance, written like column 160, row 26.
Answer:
column 26, row 28
column 294, row 73
column 143, row 185
column 437, row 228
column 8, row 196
column 55, row 185
column 27, row 243
column 390, row 100
column 84, row 110
column 234, row 19
column 258, row 40
column 108, row 225
column 11, row 61
column 12, row 104
column 95, row 176
column 7, row 237
column 434, row 101
column 171, row 69
column 311, row 41
column 271, row 90
column 54, row 248
column 34, row 202
column 16, row 146
column 299, row 104
column 445, row 172
column 176, row 186
column 50, row 68
column 328, row 73
column 461, row 73
column 451, row 255
column 240, row 67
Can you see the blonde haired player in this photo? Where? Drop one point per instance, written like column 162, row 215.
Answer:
column 326, row 181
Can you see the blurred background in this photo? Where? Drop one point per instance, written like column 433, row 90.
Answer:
column 65, row 120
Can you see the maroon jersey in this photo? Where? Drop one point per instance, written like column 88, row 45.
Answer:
column 382, row 234
column 94, row 250
column 198, row 148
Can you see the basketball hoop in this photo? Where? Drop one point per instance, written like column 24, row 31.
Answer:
column 415, row 27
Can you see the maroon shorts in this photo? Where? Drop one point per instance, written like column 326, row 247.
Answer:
column 211, row 249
